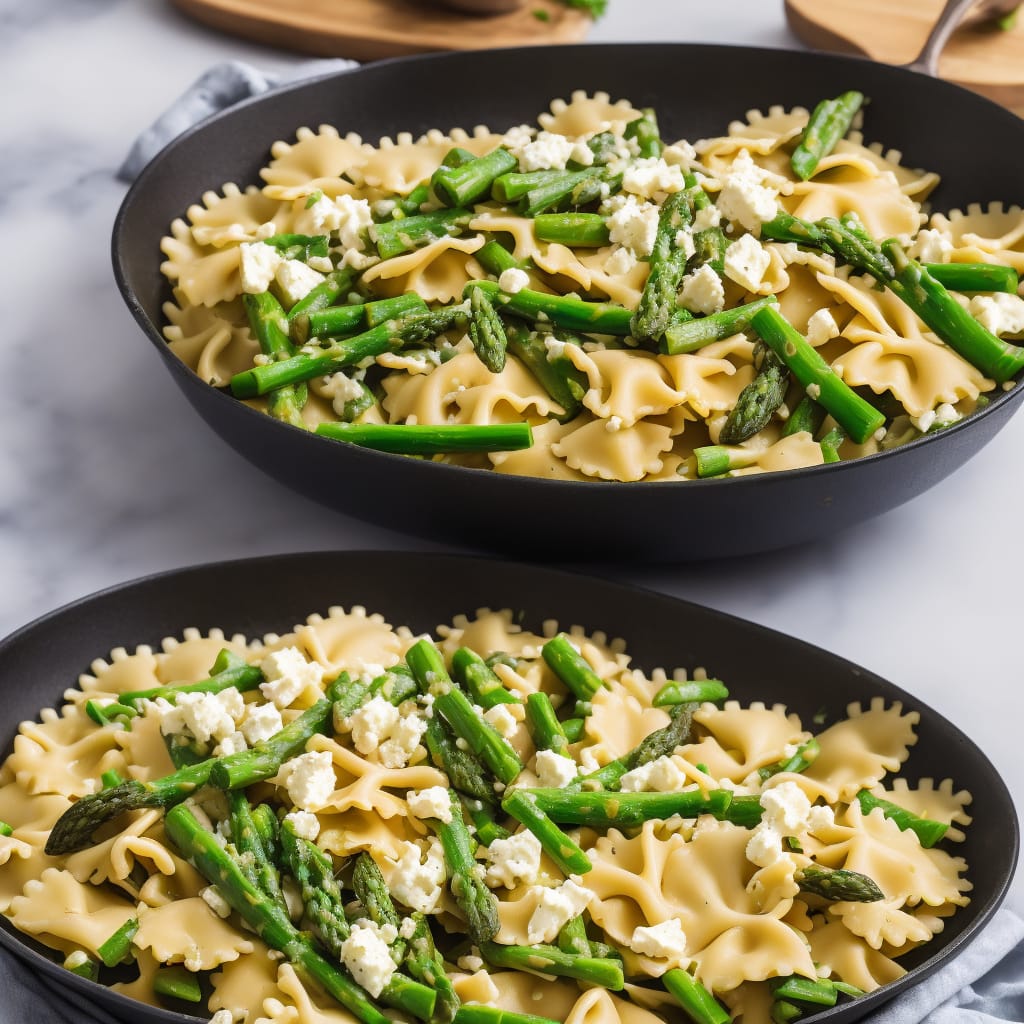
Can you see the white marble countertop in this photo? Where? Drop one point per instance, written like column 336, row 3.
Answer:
column 106, row 474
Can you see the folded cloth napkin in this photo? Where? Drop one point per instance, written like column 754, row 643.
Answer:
column 985, row 985
column 220, row 87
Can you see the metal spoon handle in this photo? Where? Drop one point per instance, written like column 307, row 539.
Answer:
column 952, row 14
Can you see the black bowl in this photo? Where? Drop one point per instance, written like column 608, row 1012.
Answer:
column 420, row 590
column 936, row 125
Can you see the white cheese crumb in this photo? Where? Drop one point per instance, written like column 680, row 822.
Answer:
column 785, row 808
column 396, row 750
column 999, row 313
column 680, row 152
column 613, row 424
column 205, row 716
column 340, row 388
column 501, row 719
column 932, row 246
column 212, row 897
column 660, row 776
column 765, row 846
column 814, row 391
column 407, row 929
column 261, row 722
column 368, row 958
column 746, row 262
column 555, row 908
column 432, row 802
column 309, row 779
column 582, row 154
column 305, row 824
column 514, row 859
column 822, row 327
column 554, row 770
column 373, row 723
column 258, row 263
column 287, row 674
column 709, row 217
column 548, row 151
column 744, row 198
column 513, row 280
column 233, row 744
column 652, row 176
column 349, row 217
column 417, row 884
column 702, row 291
column 556, row 348
column 621, row 261
column 634, row 224
column 666, row 940
column 470, row 963
column 684, row 242
column 296, row 279
column 225, row 1017
column 820, row 818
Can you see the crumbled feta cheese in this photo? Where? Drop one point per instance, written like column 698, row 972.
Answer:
column 785, row 808
column 514, row 859
column 205, row 716
column 548, row 151
column 407, row 929
column 702, row 291
column 373, row 723
column 225, row 1017
column 433, row 802
column 621, row 261
column 518, row 137
column 999, row 313
column 513, row 280
column 582, row 154
column 556, row 348
column 417, row 884
column 309, row 779
column 820, row 818
column 213, row 898
column 822, row 327
column 660, row 776
column 946, row 414
column 296, row 279
column 814, row 391
column 764, row 847
column 340, row 388
column 652, row 177
column 680, row 152
column 634, row 224
column 665, row 940
column 470, row 963
column 233, row 744
column 258, row 263
column 554, row 770
column 746, row 262
column 684, row 242
column 347, row 216
column 745, row 198
column 396, row 750
column 287, row 674
column 613, row 424
column 932, row 246
column 709, row 217
column 368, row 958
column 305, row 824
column 261, row 722
column 500, row 719
column 555, row 908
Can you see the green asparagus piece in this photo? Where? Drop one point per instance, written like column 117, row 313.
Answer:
column 709, row 243
column 716, row 459
column 996, row 358
column 515, row 185
column 395, row 237
column 807, row 416
column 483, row 739
column 270, row 326
column 109, row 780
column 229, row 671
column 325, row 294
column 846, row 989
column 818, row 991
column 544, row 726
column 975, row 277
column 743, row 810
column 117, row 949
column 838, row 884
column 481, row 1013
column 5, row 829
column 382, row 310
column 830, row 444
column 485, row 827
column 566, row 853
column 927, row 830
column 556, row 374
column 801, row 760
column 373, row 894
column 253, row 857
column 856, row 416
column 331, row 322
column 783, row 1011
column 758, row 401
column 465, row 875
column 496, row 259
column 471, row 182
column 604, row 810
column 604, row 146
column 313, row 871
column 554, row 961
column 644, row 132
column 79, row 962
column 573, row 728
column 175, row 982
column 694, row 691
column 104, row 714
column 464, row 771
column 476, row 676
column 698, row 1003
column 299, row 247
column 265, row 917
column 584, row 230
column 557, row 191
column 386, row 337
column 559, row 310
column 829, row 122
column 426, row 439
column 668, row 264
column 424, row 963
column 410, row 205
column 573, row 937
column 268, row 829
column 395, row 685
column 566, row 661
column 487, row 332
column 693, row 334
column 457, row 156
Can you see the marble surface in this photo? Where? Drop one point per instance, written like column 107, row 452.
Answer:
column 106, row 474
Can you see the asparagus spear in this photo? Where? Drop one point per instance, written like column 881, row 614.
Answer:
column 397, row 236
column 228, row 671
column 270, row 326
column 426, row 439
column 698, row 1003
column 575, row 229
column 268, row 829
column 556, row 191
column 554, row 961
column 558, row 376
column 336, row 283
column 395, row 685
column 927, row 830
column 604, row 810
column 373, row 894
column 645, row 133
column 331, row 322
column 476, row 901
column 566, row 853
column 513, row 186
column 801, row 760
column 716, row 459
column 177, row 982
column 829, row 122
column 104, row 714
column 487, row 332
column 856, row 416
column 544, row 726
column 471, row 182
column 668, row 264
column 382, row 310
column 975, row 277
column 299, row 247
column 560, row 310
column 709, row 244
column 424, row 963
column 838, row 884
column 254, row 858
column 692, row 334
column 573, row 937
column 479, row 679
column 743, row 810
column 758, row 401
column 573, row 728
column 410, row 205
column 694, row 691
column 807, row 416
column 496, row 259
column 830, row 444
column 817, row 991
column 565, row 660
column 117, row 949
column 485, row 827
column 464, row 770
column 387, row 337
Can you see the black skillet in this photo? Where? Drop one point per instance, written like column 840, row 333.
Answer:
column 696, row 90
column 423, row 590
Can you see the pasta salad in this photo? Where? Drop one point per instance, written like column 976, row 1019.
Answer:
column 493, row 827
column 578, row 300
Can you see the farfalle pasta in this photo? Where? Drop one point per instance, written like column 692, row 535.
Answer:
column 631, row 310
column 348, row 820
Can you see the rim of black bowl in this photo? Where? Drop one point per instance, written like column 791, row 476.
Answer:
column 152, row 331
column 24, row 947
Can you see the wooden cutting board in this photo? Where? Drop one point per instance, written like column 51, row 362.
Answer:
column 981, row 57
column 370, row 29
